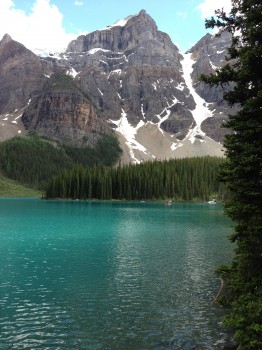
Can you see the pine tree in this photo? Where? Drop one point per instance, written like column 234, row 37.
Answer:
column 242, row 170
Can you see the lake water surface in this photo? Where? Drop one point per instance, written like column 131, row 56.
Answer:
column 110, row 275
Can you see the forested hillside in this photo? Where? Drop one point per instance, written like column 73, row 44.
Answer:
column 179, row 179
column 33, row 160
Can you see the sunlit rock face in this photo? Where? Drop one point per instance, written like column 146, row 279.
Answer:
column 129, row 77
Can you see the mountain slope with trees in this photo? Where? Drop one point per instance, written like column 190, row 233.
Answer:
column 33, row 160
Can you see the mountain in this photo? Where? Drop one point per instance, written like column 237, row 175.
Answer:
column 128, row 77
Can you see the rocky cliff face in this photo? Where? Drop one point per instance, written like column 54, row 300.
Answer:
column 22, row 73
column 137, row 82
column 62, row 112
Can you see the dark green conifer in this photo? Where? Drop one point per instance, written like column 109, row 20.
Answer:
column 242, row 170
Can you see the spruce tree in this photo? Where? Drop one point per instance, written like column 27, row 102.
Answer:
column 242, row 169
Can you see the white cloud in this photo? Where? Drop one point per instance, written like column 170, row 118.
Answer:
column 42, row 28
column 79, row 3
column 208, row 7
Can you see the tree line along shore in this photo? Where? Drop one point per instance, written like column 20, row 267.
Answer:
column 178, row 179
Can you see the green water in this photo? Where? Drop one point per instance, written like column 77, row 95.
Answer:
column 102, row 275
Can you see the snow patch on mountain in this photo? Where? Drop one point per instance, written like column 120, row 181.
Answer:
column 162, row 119
column 193, row 133
column 142, row 110
column 201, row 112
column 72, row 72
column 129, row 132
column 101, row 93
column 95, row 50
column 175, row 145
column 180, row 86
column 212, row 65
column 119, row 23
column 11, row 124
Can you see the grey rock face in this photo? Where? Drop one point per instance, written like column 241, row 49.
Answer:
column 62, row 112
column 137, row 29
column 22, row 74
column 209, row 54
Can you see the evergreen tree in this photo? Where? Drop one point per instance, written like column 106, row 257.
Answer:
column 242, row 170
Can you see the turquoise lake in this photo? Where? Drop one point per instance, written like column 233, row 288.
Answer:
column 111, row 275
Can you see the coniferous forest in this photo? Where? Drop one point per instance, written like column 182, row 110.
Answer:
column 65, row 171
column 33, row 160
column 178, row 179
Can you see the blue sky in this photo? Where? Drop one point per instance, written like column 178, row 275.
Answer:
column 52, row 24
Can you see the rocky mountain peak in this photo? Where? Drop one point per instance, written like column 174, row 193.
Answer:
column 6, row 38
column 122, row 35
column 142, row 19
column 136, row 19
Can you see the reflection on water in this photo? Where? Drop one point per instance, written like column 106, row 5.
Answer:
column 102, row 275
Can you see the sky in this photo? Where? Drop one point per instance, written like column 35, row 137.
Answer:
column 51, row 24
